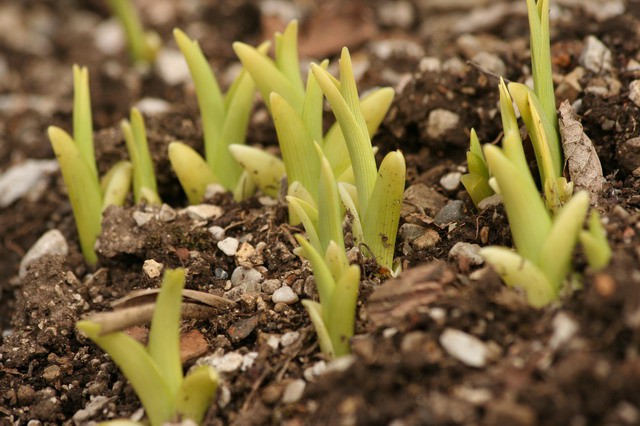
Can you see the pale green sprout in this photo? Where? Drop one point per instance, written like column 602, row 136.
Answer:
column 144, row 179
column 296, row 110
column 337, row 281
column 375, row 210
column 476, row 182
column 155, row 371
column 88, row 195
column 224, row 122
column 595, row 244
column 544, row 245
column 143, row 46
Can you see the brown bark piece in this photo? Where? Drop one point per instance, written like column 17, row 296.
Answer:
column 413, row 289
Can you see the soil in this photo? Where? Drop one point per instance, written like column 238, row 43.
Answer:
column 575, row 362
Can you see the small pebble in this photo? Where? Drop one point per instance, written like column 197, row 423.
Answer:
column 228, row 363
column 172, row 67
column 270, row 286
column 242, row 275
column 293, row 392
column 409, row 231
column 221, row 274
column 470, row 252
column 167, row 213
column 493, row 201
column 52, row 372
column 289, row 338
column 229, row 246
column 464, row 347
column 451, row 181
column 595, row 57
column 284, row 295
column 452, row 212
column 315, row 370
column 20, row 179
column 430, row 64
column 204, row 212
column 427, row 240
column 440, row 121
column 396, row 14
column 153, row 106
column 217, row 232
column 490, row 62
column 142, row 218
column 634, row 92
column 564, row 328
column 152, row 268
column 51, row 242
column 90, row 410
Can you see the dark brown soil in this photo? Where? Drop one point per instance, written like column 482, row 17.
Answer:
column 575, row 362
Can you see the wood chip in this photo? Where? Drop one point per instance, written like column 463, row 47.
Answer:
column 149, row 295
column 414, row 288
column 580, row 155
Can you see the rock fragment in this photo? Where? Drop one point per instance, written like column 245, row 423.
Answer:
column 596, row 57
column 229, row 246
column 284, row 295
column 441, row 121
column 464, row 347
column 51, row 242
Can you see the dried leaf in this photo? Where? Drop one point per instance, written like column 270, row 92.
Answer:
column 580, row 155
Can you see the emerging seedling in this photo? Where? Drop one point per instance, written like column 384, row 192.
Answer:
column 155, row 371
column 142, row 45
column 375, row 209
column 145, row 187
column 476, row 182
column 224, row 122
column 296, row 110
column 87, row 194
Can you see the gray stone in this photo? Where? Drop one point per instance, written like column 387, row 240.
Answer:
column 451, row 181
column 289, row 338
column 284, row 295
column 229, row 246
column 396, row 14
column 409, row 231
column 153, row 106
column 51, row 242
column 236, row 293
column 440, row 122
column 90, row 410
column 242, row 275
column 21, row 178
column 452, row 212
column 595, row 57
column 493, row 201
column 464, row 347
column 468, row 251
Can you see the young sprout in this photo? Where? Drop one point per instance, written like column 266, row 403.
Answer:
column 595, row 244
column 155, row 371
column 337, row 281
column 544, row 245
column 375, row 210
column 143, row 46
column 88, row 195
column 476, row 182
column 296, row 110
column 224, row 120
column 144, row 179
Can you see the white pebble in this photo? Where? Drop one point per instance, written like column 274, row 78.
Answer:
column 217, row 232
column 242, row 275
column 451, row 181
column 204, row 212
column 152, row 268
column 142, row 218
column 289, row 338
column 293, row 392
column 440, row 121
column 51, row 242
column 229, row 362
column 172, row 67
column 229, row 246
column 464, row 347
column 284, row 295
column 167, row 213
column 21, row 178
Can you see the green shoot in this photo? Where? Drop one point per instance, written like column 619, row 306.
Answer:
column 595, row 243
column 379, row 192
column 144, row 179
column 142, row 46
column 88, row 196
column 155, row 371
column 476, row 182
column 544, row 246
column 192, row 171
column 296, row 110
column 224, row 118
